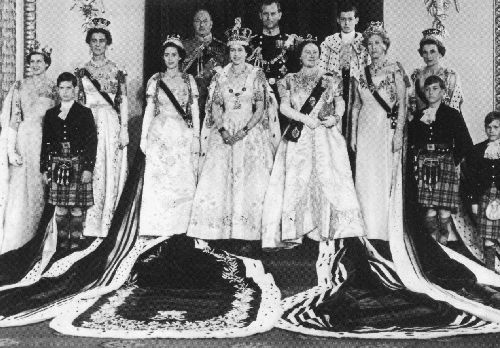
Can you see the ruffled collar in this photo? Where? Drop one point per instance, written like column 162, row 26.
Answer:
column 492, row 150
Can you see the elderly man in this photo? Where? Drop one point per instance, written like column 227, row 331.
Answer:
column 204, row 54
column 273, row 50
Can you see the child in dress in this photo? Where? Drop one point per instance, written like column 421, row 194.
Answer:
column 482, row 180
column 439, row 141
column 69, row 145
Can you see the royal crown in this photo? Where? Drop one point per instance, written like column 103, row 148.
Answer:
column 37, row 48
column 175, row 39
column 374, row 28
column 237, row 34
column 433, row 34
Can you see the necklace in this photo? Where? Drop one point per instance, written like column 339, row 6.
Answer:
column 375, row 68
column 237, row 74
column 98, row 64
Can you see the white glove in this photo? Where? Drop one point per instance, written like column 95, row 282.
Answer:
column 14, row 158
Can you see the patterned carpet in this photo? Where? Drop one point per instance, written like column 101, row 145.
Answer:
column 294, row 271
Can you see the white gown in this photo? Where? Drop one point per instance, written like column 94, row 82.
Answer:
column 110, row 169
column 233, row 180
column 170, row 171
column 311, row 190
column 22, row 191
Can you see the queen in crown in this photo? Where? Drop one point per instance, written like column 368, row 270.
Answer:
column 21, row 186
column 102, row 87
column 239, row 137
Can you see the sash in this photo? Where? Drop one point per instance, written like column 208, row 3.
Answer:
column 294, row 129
column 188, row 118
column 419, row 92
column 97, row 85
column 392, row 113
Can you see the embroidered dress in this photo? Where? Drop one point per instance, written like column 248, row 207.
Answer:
column 21, row 188
column 233, row 180
column 170, row 173
column 111, row 162
column 311, row 191
column 377, row 165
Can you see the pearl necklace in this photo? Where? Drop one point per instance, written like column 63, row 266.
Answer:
column 98, row 64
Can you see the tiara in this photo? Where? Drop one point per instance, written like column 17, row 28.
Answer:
column 36, row 48
column 374, row 28
column 97, row 23
column 175, row 39
column 433, row 34
column 307, row 38
column 237, row 34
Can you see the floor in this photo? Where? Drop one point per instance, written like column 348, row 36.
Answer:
column 294, row 271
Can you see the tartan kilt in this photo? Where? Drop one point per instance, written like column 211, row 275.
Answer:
column 72, row 193
column 444, row 194
column 488, row 228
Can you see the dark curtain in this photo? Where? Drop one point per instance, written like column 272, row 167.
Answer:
column 316, row 17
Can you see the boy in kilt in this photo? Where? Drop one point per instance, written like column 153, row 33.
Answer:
column 481, row 171
column 439, row 140
column 69, row 145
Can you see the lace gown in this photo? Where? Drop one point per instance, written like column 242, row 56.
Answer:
column 233, row 180
column 311, row 190
column 378, row 168
column 170, row 172
column 111, row 162
column 23, row 194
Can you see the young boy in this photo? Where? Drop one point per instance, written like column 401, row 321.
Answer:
column 69, row 145
column 481, row 171
column 439, row 141
column 344, row 55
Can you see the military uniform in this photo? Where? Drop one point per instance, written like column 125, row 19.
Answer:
column 276, row 61
column 201, row 59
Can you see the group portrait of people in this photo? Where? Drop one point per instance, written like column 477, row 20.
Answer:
column 250, row 145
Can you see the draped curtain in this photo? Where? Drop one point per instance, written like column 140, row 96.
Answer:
column 316, row 17
column 7, row 46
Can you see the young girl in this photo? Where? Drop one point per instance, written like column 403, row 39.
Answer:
column 482, row 180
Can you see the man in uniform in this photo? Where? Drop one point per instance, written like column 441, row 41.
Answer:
column 273, row 50
column 204, row 54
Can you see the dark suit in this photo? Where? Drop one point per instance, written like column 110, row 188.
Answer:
column 78, row 129
column 449, row 129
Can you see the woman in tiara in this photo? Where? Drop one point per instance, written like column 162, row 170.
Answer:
column 432, row 50
column 21, row 189
column 238, row 142
column 171, row 142
column 103, row 88
column 311, row 192
column 378, row 119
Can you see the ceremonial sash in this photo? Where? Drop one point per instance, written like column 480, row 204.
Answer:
column 294, row 129
column 186, row 116
column 392, row 113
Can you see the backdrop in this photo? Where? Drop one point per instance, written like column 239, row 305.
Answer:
column 316, row 17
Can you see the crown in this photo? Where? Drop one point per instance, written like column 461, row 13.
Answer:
column 175, row 39
column 237, row 34
column 37, row 48
column 375, row 28
column 434, row 34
